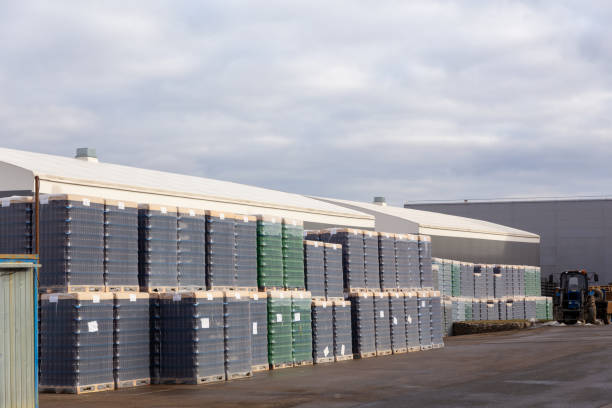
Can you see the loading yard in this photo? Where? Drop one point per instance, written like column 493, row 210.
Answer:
column 543, row 367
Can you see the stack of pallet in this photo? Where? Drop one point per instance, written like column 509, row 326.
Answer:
column 314, row 268
column 425, row 262
column 467, row 279
column 269, row 253
column 387, row 261
column 293, row 254
column 120, row 246
column 480, row 282
column 371, row 267
column 191, row 249
column 220, row 250
column 499, row 282
column 455, row 278
column 16, row 226
column 407, row 261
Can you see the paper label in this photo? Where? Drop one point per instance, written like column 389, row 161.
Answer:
column 342, row 349
column 326, row 351
column 44, row 200
column 335, row 246
column 273, row 220
column 205, row 322
column 365, row 295
column 394, row 321
column 370, row 234
column 409, row 319
column 294, row 223
column 301, row 295
column 53, row 299
column 254, row 327
column 423, row 303
column 256, row 297
column 316, row 245
column 237, row 295
column 192, row 213
column 397, row 295
column 209, row 296
column 222, row 216
column 279, row 318
column 282, row 295
column 382, row 313
column 387, row 235
column 92, row 326
column 380, row 295
column 296, row 317
column 343, row 303
column 132, row 297
column 121, row 205
column 324, row 305
column 245, row 219
column 176, row 297
column 6, row 203
column 96, row 298
column 86, row 202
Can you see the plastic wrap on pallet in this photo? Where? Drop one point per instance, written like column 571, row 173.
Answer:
column 506, row 271
column 352, row 255
column 245, row 228
column 259, row 329
column 322, row 331
column 476, row 309
column 362, row 323
column 343, row 334
column 540, row 308
column 437, row 269
column 120, row 244
column 447, row 272
column 480, row 282
column 458, row 305
column 538, row 280
column 220, row 250
column 191, row 249
column 301, row 326
column 530, row 308
column 424, row 307
column 269, row 252
column 382, row 330
column 490, row 283
column 499, row 282
column 518, row 308
column 314, row 267
column 455, row 278
column 407, row 260
column 448, row 313
column 483, row 309
column 16, row 225
column 437, row 319
column 237, row 326
column 76, row 341
column 192, row 337
column 371, row 268
column 279, row 328
column 397, row 320
column 334, row 284
column 492, row 310
column 411, row 310
column 426, row 277
column 467, row 279
column 293, row 254
column 157, row 247
column 469, row 310
column 386, row 256
column 131, row 339
column 71, row 241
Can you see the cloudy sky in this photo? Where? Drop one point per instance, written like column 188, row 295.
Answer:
column 431, row 100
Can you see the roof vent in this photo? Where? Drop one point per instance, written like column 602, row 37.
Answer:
column 380, row 201
column 86, row 154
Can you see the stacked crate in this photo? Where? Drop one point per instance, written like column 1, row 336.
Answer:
column 538, row 280
column 155, row 337
column 407, row 261
column 382, row 330
column 549, row 308
column 334, row 284
column 362, row 323
column 455, row 278
column 469, row 309
column 510, row 309
column 192, row 337
column 518, row 308
column 490, row 281
column 425, row 330
column 499, row 282
column 76, row 342
column 16, row 225
column 237, row 334
column 530, row 308
column 322, row 331
column 459, row 310
column 352, row 256
column 72, row 243
column 245, row 228
column 448, row 310
column 492, row 310
column 220, row 251
column 411, row 311
column 540, row 308
column 279, row 329
column 259, row 331
column 480, row 282
column 269, row 253
column 343, row 341
column 293, row 254
column 501, row 307
column 131, row 331
column 521, row 280
column 437, row 269
column 476, row 310
column 506, row 271
column 371, row 267
column 387, row 263
column 447, row 272
column 436, row 319
column 483, row 309
column 397, row 318
column 314, row 268
column 191, row 249
column 467, row 279
column 157, row 248
column 301, row 328
column 120, row 246
column 426, row 277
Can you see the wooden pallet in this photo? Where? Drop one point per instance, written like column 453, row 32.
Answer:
column 234, row 288
column 357, row 290
column 79, row 389
column 259, row 368
column 236, row 376
column 400, row 350
column 343, row 358
column 122, row 288
column 160, row 289
column 191, row 288
column 384, row 353
column 426, row 347
column 280, row 366
column 335, row 299
column 319, row 298
column 133, row 383
column 73, row 289
column 437, row 346
column 271, row 288
column 194, row 381
column 392, row 290
column 365, row 355
column 323, row 360
column 302, row 363
column 413, row 349
column 295, row 289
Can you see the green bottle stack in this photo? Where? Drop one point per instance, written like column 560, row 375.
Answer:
column 301, row 327
column 280, row 329
column 456, row 278
column 269, row 253
column 293, row 254
column 541, row 308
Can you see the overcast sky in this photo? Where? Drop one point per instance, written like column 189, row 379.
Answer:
column 411, row 100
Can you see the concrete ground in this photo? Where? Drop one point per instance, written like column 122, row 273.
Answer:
column 544, row 367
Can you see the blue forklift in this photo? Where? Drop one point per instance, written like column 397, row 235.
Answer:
column 574, row 301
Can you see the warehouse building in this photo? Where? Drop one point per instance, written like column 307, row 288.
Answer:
column 453, row 237
column 575, row 234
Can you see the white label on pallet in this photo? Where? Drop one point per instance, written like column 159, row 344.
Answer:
column 387, row 235
column 96, row 298
column 44, row 199
column 205, row 322
column 164, row 210
column 6, row 203
column 301, row 295
column 343, row 303
column 335, row 246
column 423, row 303
column 86, row 202
column 256, row 297
column 282, row 295
column 279, row 318
column 273, row 220
column 294, row 222
column 382, row 313
column 176, row 297
column 132, row 297
column 222, row 216
column 370, row 234
column 342, row 349
column 245, row 219
column 191, row 213
column 296, row 317
column 53, row 299
column 409, row 319
column 209, row 296
column 394, row 321
column 326, row 351
column 316, row 245
column 380, row 295
column 92, row 326
column 121, row 205
column 237, row 295
column 397, row 295
column 254, row 327
column 324, row 305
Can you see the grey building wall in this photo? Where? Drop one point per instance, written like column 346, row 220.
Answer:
column 574, row 234
column 485, row 251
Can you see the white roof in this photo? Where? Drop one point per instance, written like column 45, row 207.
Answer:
column 442, row 224
column 67, row 170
